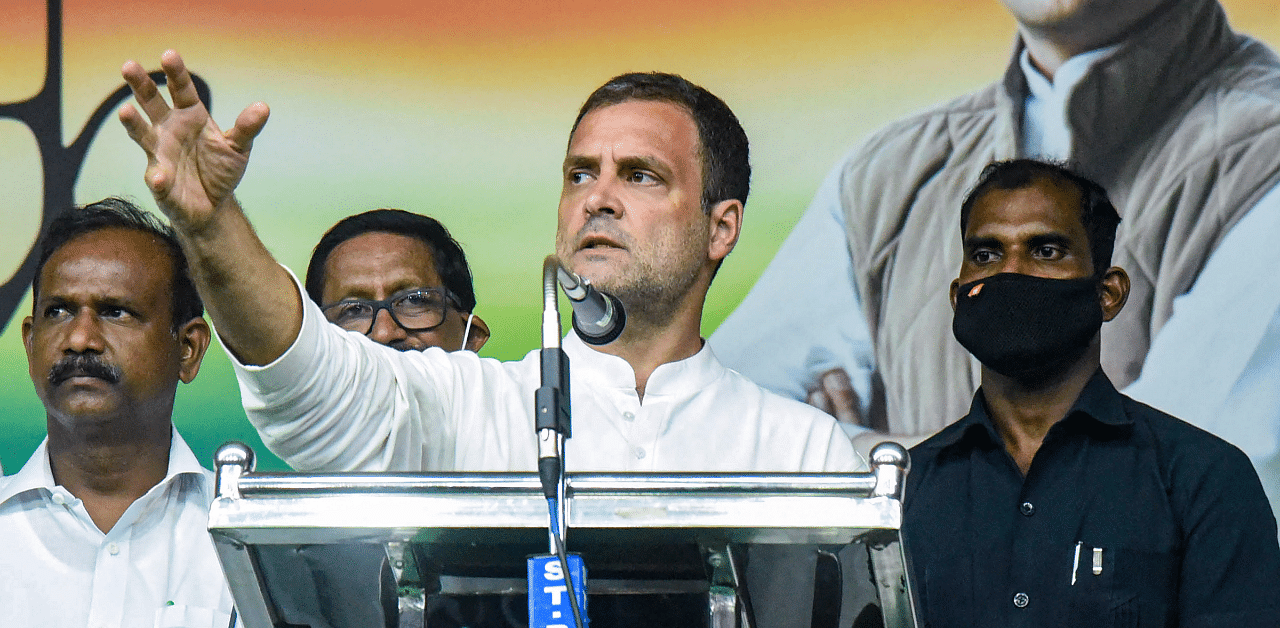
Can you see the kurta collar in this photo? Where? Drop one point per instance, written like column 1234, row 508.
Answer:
column 38, row 474
column 680, row 378
column 1161, row 63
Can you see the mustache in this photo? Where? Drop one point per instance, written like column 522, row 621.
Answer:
column 602, row 226
column 83, row 365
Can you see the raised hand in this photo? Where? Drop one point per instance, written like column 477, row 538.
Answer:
column 193, row 167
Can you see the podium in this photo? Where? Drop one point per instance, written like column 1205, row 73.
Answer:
column 361, row 549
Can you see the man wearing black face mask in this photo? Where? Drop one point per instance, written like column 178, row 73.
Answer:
column 1057, row 501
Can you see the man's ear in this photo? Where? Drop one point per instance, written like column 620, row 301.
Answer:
column 955, row 291
column 194, row 337
column 26, row 336
column 477, row 336
column 725, row 225
column 1113, row 291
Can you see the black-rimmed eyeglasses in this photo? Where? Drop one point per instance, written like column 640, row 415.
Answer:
column 419, row 309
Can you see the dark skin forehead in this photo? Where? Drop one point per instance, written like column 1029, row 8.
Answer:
column 377, row 264
column 114, row 266
column 1035, row 220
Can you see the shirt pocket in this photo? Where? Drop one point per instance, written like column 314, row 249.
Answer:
column 178, row 616
column 1126, row 588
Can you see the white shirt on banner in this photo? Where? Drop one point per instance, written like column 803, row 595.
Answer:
column 155, row 568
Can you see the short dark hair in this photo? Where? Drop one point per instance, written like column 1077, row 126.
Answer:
column 1097, row 214
column 726, row 166
column 117, row 213
column 446, row 253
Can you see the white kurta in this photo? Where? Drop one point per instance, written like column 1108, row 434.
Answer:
column 336, row 401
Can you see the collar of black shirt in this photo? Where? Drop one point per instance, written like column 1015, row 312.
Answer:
column 1099, row 405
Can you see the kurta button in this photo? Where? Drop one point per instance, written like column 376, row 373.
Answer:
column 1027, row 509
column 640, row 452
column 59, row 499
column 113, row 549
column 628, row 416
column 1021, row 600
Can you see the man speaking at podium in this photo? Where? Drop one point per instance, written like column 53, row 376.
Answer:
column 655, row 179
column 654, row 184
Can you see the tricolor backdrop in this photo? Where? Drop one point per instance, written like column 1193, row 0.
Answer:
column 461, row 110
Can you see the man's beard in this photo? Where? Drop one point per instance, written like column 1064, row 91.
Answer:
column 650, row 292
column 650, row 295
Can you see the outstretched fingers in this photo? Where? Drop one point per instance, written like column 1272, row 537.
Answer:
column 138, row 129
column 181, row 88
column 144, row 136
column 145, row 91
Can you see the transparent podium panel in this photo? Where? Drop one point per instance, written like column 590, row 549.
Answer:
column 446, row 549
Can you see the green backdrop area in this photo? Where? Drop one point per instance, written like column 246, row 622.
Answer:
column 208, row 411
column 461, row 111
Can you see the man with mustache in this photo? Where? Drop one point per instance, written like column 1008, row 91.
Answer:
column 106, row 524
column 1058, row 501
column 398, row 278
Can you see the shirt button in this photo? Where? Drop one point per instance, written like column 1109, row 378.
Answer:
column 1021, row 600
column 640, row 452
column 1027, row 509
column 628, row 416
column 113, row 549
column 59, row 499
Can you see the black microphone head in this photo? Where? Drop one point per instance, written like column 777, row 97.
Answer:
column 607, row 332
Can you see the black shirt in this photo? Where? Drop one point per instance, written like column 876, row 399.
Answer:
column 1126, row 517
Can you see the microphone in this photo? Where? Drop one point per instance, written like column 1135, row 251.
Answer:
column 598, row 317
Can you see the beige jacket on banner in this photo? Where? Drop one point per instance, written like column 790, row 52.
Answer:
column 1181, row 126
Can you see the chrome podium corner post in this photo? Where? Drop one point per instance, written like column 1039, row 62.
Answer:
column 890, row 463
column 232, row 460
column 889, row 561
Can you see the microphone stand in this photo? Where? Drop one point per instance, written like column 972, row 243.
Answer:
column 551, row 400
column 552, row 414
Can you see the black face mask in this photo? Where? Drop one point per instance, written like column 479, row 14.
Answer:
column 1021, row 326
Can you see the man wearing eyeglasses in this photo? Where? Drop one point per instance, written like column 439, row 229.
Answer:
column 398, row 278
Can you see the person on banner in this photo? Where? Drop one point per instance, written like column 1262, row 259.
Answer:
column 106, row 524
column 401, row 263
column 1177, row 115
column 1058, row 501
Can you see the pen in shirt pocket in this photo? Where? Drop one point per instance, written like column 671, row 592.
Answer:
column 1075, row 562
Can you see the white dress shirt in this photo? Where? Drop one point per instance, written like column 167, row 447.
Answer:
column 156, row 567
column 336, row 400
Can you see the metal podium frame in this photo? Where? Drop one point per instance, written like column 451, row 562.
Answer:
column 407, row 512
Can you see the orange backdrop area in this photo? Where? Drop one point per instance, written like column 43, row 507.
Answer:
column 461, row 110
